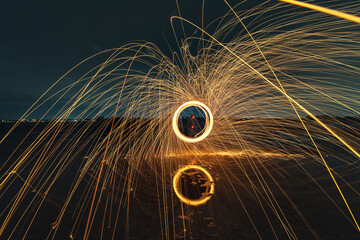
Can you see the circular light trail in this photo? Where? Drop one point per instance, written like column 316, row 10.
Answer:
column 208, row 125
column 209, row 185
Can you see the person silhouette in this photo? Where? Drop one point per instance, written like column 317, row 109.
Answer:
column 192, row 126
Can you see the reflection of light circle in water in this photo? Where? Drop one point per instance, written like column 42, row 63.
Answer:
column 208, row 121
column 196, row 192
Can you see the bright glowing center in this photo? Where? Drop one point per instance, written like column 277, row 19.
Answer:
column 208, row 123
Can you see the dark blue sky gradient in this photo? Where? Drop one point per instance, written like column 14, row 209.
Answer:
column 41, row 40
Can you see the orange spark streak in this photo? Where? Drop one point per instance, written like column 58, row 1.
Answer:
column 325, row 10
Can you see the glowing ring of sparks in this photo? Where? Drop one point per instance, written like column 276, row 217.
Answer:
column 190, row 201
column 208, row 125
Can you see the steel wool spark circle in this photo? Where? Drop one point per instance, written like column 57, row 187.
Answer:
column 208, row 124
column 208, row 185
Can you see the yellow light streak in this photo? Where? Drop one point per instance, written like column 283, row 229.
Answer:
column 325, row 10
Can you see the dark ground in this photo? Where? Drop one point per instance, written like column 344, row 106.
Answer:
column 295, row 192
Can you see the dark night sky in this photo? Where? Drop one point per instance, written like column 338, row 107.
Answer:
column 41, row 40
